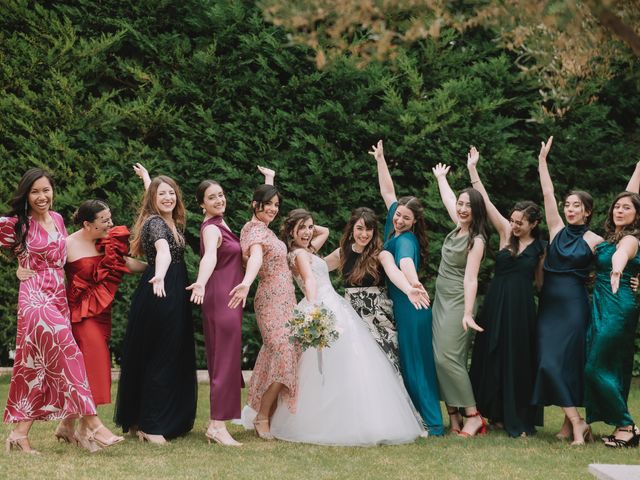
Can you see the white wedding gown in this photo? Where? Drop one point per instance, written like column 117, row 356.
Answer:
column 359, row 399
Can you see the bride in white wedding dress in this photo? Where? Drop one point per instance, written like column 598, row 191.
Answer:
column 358, row 399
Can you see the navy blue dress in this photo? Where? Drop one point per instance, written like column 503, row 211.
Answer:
column 503, row 364
column 563, row 318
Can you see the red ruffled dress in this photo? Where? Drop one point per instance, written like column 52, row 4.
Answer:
column 92, row 283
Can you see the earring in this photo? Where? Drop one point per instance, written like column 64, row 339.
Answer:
column 204, row 211
column 26, row 207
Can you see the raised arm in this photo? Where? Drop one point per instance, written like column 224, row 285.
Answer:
column 239, row 293
column 387, row 190
column 500, row 223
column 143, row 174
column 634, row 181
column 471, row 284
column 416, row 293
column 269, row 175
column 626, row 250
column 210, row 238
column 320, row 236
column 446, row 194
column 303, row 266
column 163, row 260
column 554, row 220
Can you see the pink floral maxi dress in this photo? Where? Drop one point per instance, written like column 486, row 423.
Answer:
column 274, row 303
column 49, row 381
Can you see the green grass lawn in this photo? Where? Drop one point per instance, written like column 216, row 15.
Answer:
column 494, row 456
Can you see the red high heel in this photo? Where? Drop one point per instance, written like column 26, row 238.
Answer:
column 482, row 429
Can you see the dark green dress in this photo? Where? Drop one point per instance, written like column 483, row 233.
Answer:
column 610, row 342
column 504, row 363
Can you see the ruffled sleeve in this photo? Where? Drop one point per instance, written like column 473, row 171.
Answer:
column 7, row 231
column 253, row 233
column 91, row 293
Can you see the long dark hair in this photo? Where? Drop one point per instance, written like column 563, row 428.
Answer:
column 20, row 206
column 419, row 229
column 367, row 262
column 479, row 223
column 288, row 226
column 88, row 211
column 587, row 202
column 634, row 229
column 532, row 212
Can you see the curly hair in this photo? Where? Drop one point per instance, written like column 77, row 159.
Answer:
column 633, row 229
column 532, row 213
column 293, row 218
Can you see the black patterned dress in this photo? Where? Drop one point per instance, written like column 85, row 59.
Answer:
column 370, row 300
column 157, row 392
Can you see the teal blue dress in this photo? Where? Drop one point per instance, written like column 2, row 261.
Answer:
column 610, row 342
column 414, row 327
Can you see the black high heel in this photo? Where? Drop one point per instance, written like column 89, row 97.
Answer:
column 634, row 441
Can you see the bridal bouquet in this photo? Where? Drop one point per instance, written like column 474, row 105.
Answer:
column 313, row 327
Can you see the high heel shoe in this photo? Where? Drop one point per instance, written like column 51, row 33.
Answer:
column 634, row 441
column 454, row 412
column 215, row 435
column 151, row 438
column 585, row 437
column 113, row 440
column 17, row 442
column 86, row 442
column 263, row 435
column 481, row 430
column 65, row 434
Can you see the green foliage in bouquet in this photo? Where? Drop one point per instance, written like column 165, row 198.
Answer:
column 312, row 327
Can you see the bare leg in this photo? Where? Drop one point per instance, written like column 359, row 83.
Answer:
column 475, row 424
column 64, row 430
column 581, row 429
column 567, row 430
column 266, row 404
column 18, row 438
column 217, row 431
column 91, row 429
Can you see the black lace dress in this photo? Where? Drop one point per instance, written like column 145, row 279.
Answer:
column 158, row 390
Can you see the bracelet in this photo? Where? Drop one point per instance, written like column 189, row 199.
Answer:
column 474, row 181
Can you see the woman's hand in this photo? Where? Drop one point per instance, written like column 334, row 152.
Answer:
column 197, row 293
column 24, row 273
column 238, row 295
column 158, row 286
column 472, row 157
column 377, row 151
column 419, row 297
column 441, row 170
column 633, row 283
column 544, row 149
column 142, row 173
column 269, row 175
column 615, row 280
column 468, row 322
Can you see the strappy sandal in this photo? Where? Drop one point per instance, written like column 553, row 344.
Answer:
column 455, row 412
column 634, row 441
column 481, row 430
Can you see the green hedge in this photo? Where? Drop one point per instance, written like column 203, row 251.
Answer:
column 204, row 89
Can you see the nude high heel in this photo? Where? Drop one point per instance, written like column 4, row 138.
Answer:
column 13, row 442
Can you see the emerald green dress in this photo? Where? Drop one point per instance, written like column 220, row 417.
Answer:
column 610, row 342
